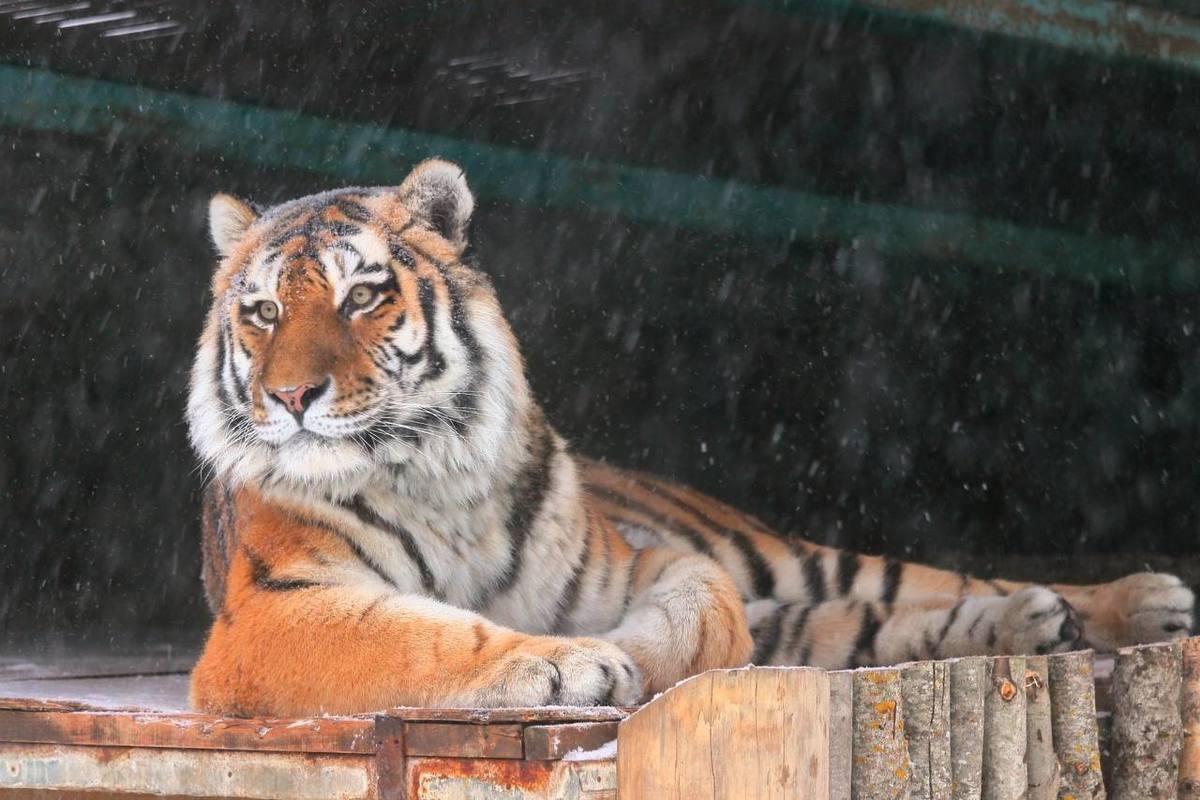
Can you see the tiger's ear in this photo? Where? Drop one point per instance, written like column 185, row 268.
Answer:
column 436, row 191
column 228, row 220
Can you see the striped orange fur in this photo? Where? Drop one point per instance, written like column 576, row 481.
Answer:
column 390, row 519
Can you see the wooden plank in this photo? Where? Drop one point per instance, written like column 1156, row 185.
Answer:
column 510, row 779
column 162, row 693
column 456, row 740
column 186, row 773
column 487, row 716
column 544, row 742
column 751, row 734
column 189, row 731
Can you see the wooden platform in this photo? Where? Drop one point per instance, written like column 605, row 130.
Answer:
column 109, row 726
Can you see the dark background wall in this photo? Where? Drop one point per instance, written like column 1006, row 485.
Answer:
column 1014, row 415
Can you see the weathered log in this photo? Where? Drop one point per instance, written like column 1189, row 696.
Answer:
column 1039, row 737
column 1004, row 774
column 926, row 690
column 1189, row 757
column 841, row 732
column 1073, row 721
column 1146, row 722
column 968, row 676
column 880, row 769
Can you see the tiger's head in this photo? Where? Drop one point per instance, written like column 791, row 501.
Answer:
column 346, row 335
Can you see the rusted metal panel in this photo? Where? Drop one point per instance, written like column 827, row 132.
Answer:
column 187, row 773
column 457, row 740
column 390, row 776
column 546, row 742
column 508, row 779
column 190, row 731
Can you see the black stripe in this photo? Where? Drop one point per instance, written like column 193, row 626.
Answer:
column 847, row 570
column 949, row 624
column 261, row 575
column 795, row 633
column 466, row 402
column 352, row 209
column 401, row 254
column 570, row 594
column 814, row 578
column 355, row 548
column 997, row 588
column 766, row 638
column 797, row 636
column 761, row 575
column 528, row 496
column 864, row 645
column 437, row 362
column 222, row 389
column 239, row 387
column 630, row 569
column 357, row 505
column 892, row 570
column 694, row 537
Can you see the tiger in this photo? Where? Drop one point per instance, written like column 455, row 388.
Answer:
column 390, row 519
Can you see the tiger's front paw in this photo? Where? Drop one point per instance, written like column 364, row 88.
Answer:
column 1037, row 621
column 560, row 671
column 1146, row 607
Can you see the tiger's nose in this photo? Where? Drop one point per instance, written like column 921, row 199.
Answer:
column 297, row 399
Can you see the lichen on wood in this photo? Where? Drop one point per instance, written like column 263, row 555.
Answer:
column 880, row 766
column 1073, row 724
column 1146, row 722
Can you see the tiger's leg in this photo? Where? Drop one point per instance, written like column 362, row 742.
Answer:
column 292, row 647
column 1144, row 607
column 684, row 616
column 839, row 634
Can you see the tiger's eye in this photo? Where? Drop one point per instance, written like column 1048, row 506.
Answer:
column 268, row 310
column 361, row 294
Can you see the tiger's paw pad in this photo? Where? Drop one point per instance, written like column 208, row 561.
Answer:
column 1156, row 607
column 1037, row 621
